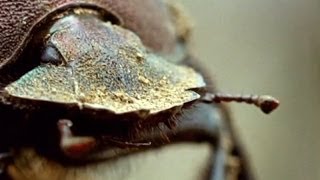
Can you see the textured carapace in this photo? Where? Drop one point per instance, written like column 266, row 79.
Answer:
column 19, row 18
column 106, row 67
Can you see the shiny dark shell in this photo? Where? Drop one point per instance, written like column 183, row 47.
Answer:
column 18, row 19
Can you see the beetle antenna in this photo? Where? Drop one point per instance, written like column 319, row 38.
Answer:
column 265, row 102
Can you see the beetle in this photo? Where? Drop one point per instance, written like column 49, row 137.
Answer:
column 81, row 75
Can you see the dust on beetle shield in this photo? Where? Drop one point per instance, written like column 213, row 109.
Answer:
column 77, row 76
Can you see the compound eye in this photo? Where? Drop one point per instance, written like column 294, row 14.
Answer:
column 51, row 55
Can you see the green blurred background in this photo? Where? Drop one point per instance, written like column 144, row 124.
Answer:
column 267, row 47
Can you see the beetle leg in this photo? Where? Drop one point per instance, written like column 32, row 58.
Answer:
column 265, row 102
column 74, row 146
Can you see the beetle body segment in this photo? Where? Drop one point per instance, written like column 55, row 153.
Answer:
column 106, row 67
column 18, row 19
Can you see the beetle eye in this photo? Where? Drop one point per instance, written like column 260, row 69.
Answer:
column 51, row 55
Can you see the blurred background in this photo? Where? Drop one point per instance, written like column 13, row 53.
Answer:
column 267, row 47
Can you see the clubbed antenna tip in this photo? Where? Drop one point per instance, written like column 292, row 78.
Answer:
column 265, row 102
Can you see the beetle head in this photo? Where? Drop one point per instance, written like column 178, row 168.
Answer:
column 94, row 64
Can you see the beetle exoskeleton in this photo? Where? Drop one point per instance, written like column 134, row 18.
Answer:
column 19, row 19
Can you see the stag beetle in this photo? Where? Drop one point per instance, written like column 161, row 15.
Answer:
column 81, row 76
